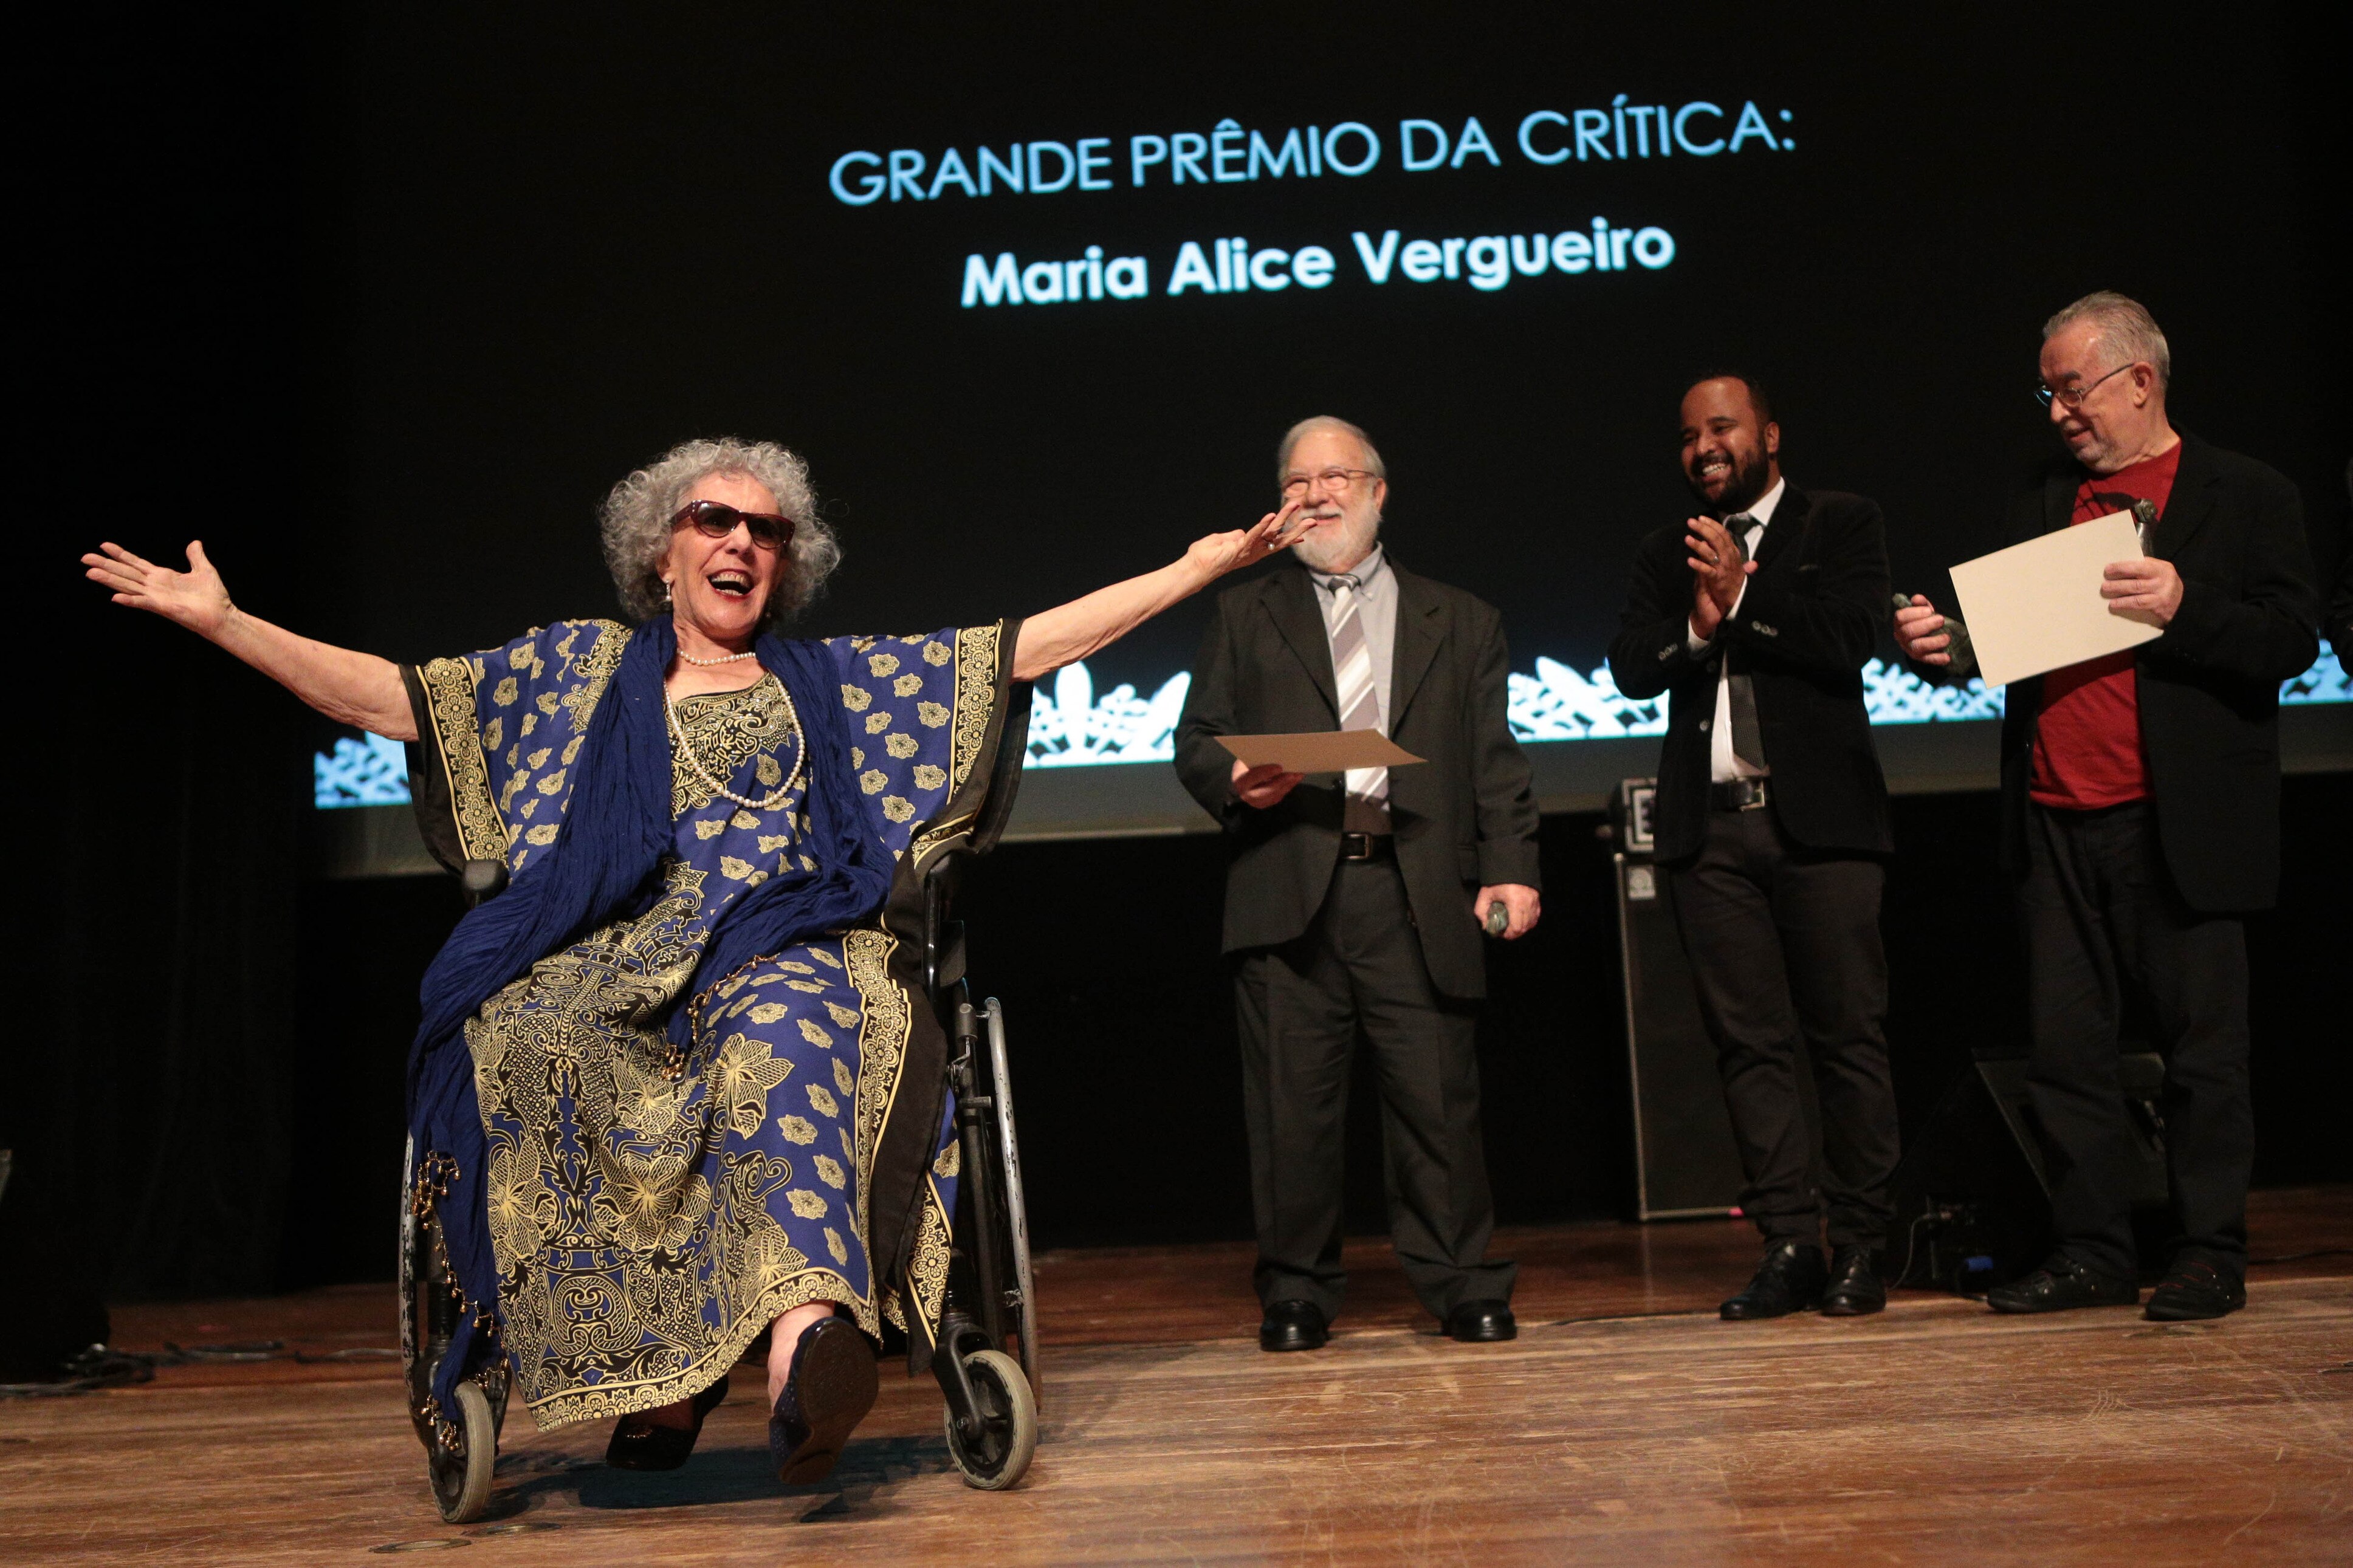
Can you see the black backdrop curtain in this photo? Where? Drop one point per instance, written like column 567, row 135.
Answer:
column 201, row 1080
column 150, row 1072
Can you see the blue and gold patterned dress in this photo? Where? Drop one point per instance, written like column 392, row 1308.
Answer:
column 652, row 1209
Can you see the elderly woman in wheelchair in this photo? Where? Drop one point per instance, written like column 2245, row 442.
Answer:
column 680, row 1082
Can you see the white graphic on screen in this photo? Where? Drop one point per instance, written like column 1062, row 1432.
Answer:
column 1073, row 726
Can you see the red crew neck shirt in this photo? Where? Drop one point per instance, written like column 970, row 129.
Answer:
column 2087, row 750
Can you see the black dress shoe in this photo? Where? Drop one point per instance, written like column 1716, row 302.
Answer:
column 2059, row 1285
column 1790, row 1279
column 2194, row 1290
column 827, row 1392
column 1292, row 1326
column 639, row 1444
column 1855, row 1288
column 1483, row 1324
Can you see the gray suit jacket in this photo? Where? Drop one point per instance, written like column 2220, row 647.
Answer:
column 1464, row 818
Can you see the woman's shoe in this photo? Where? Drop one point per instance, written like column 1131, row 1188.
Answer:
column 638, row 1445
column 831, row 1387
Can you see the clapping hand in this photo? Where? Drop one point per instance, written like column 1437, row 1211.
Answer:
column 1719, row 567
column 195, row 599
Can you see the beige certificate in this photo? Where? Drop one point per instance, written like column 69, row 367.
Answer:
column 2036, row 606
column 1320, row 751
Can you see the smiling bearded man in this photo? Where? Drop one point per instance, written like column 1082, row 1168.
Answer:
column 1771, row 818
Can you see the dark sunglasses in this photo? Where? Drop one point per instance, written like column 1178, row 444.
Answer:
column 717, row 520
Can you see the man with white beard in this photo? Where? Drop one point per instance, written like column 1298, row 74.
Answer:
column 1354, row 903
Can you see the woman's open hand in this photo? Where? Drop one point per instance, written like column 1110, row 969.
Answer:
column 1052, row 638
column 195, row 599
column 1213, row 556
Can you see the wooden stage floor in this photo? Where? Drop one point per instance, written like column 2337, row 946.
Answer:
column 1626, row 1425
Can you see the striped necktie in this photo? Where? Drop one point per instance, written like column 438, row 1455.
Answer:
column 1368, row 807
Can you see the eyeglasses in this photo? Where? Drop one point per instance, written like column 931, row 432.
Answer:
column 717, row 520
column 2072, row 397
column 1333, row 479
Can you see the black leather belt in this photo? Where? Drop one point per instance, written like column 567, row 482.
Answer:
column 1367, row 846
column 1736, row 795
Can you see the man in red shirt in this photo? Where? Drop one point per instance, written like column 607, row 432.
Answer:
column 2141, row 813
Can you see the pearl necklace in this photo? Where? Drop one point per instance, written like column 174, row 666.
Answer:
column 723, row 659
column 694, row 763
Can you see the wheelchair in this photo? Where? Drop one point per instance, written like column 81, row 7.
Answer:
column 985, row 1356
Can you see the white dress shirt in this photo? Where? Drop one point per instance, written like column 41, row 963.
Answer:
column 1723, row 766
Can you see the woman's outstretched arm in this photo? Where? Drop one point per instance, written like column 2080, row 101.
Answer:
column 352, row 688
column 1068, row 632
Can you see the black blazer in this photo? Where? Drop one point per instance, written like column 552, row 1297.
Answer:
column 1809, row 620
column 2208, row 688
column 1464, row 818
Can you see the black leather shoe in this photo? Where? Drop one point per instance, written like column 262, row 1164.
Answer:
column 1483, row 1324
column 1789, row 1280
column 2193, row 1290
column 831, row 1386
column 1293, row 1326
column 1855, row 1288
column 2059, row 1286
column 638, row 1445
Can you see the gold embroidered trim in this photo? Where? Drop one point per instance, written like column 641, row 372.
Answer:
column 975, row 696
column 596, row 670
column 724, row 729
column 628, row 1399
column 449, row 697
column 933, row 837
column 881, row 1052
column 927, row 1261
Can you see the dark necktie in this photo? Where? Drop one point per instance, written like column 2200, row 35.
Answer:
column 1748, row 738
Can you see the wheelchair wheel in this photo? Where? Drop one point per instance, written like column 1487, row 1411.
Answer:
column 461, row 1476
column 460, row 1452
column 1009, row 1424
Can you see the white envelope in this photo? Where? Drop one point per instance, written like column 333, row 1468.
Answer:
column 2036, row 606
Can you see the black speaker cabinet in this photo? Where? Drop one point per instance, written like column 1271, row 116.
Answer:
column 1971, row 1198
column 1685, row 1162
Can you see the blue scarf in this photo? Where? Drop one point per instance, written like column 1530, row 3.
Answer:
column 601, row 867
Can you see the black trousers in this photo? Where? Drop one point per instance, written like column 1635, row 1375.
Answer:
column 1301, row 1007
column 1785, row 945
column 2099, row 912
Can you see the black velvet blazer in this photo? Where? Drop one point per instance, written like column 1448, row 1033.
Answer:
column 1809, row 620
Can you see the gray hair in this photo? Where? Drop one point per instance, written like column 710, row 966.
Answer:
column 1309, row 426
column 2122, row 325
column 636, row 521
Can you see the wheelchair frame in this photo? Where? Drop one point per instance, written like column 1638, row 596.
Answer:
column 991, row 1419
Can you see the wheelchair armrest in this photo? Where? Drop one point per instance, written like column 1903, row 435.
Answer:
column 483, row 879
column 944, row 962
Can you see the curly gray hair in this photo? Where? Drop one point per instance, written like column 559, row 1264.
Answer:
column 636, row 521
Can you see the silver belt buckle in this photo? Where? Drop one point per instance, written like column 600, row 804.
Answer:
column 1755, row 790
column 1355, row 847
